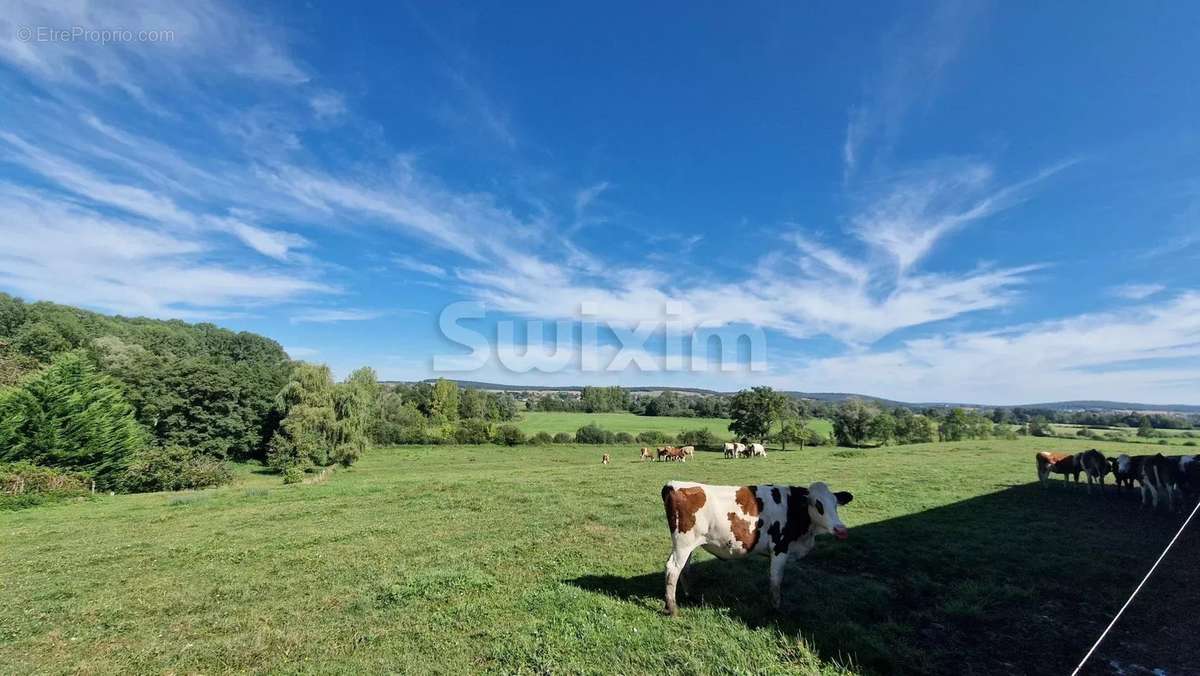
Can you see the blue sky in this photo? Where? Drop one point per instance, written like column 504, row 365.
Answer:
column 960, row 202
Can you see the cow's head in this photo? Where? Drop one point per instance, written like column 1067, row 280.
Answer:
column 823, row 510
column 1119, row 464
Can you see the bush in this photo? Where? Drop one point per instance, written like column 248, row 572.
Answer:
column 509, row 435
column 1162, row 442
column 624, row 438
column 563, row 438
column 25, row 485
column 293, row 475
column 542, row 439
column 701, row 437
column 1189, row 443
column 653, row 438
column 473, row 432
column 1084, row 432
column 815, row 438
column 174, row 468
column 593, row 434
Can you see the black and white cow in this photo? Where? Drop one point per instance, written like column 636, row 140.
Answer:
column 732, row 522
column 1170, row 476
column 1095, row 466
column 1126, row 468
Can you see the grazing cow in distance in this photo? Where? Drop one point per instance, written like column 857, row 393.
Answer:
column 1095, row 466
column 604, row 459
column 689, row 451
column 739, row 449
column 758, row 451
column 1058, row 463
column 732, row 522
column 647, row 454
column 672, row 453
column 730, row 450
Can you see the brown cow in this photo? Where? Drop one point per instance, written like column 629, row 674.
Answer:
column 604, row 459
column 647, row 454
column 1058, row 463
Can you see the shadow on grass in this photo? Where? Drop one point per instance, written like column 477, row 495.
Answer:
column 1017, row 581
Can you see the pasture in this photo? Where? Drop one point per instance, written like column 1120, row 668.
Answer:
column 540, row 559
column 533, row 422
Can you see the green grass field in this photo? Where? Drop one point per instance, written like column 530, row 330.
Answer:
column 1170, row 437
column 552, row 422
column 542, row 560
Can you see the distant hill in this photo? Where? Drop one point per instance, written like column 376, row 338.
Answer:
column 835, row 397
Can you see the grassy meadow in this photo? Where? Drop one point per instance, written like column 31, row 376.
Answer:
column 542, row 560
column 533, row 422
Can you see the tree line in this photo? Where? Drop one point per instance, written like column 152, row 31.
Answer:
column 139, row 404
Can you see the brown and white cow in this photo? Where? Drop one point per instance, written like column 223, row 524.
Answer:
column 647, row 454
column 688, row 451
column 605, row 459
column 739, row 449
column 1095, row 467
column 730, row 450
column 757, row 451
column 732, row 522
column 1058, row 463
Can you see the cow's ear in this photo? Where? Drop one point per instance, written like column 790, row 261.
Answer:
column 843, row 497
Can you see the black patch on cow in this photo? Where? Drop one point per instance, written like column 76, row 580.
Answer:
column 775, row 495
column 776, row 534
column 798, row 521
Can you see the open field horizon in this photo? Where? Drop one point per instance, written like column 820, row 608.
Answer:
column 487, row 558
column 532, row 422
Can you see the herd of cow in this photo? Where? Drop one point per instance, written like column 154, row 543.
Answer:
column 682, row 453
column 1171, row 478
column 781, row 521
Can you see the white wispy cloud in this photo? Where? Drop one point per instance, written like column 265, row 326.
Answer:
column 70, row 254
column 857, row 296
column 328, row 105
column 275, row 244
column 206, row 38
column 1137, row 291
column 298, row 352
column 329, row 315
column 423, row 267
column 586, row 196
column 1148, row 353
column 913, row 60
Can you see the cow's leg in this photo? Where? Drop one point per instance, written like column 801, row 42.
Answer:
column 683, row 574
column 778, row 562
column 675, row 563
